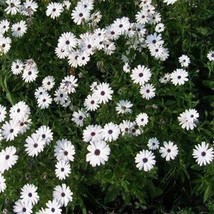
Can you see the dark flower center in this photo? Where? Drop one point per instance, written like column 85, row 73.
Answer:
column 63, row 194
column 168, row 150
column 62, row 169
column 35, row 145
column 203, row 154
column 145, row 160
column 140, row 74
column 93, row 133
column 102, row 93
column 30, row 194
column 110, row 131
column 7, row 157
column 97, row 152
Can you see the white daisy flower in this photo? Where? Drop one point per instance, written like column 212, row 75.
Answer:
column 142, row 119
column 54, row 9
column 91, row 103
column 61, row 96
column 4, row 26
column 8, row 158
column 184, row 60
column 141, row 74
column 5, row 44
column 153, row 143
column 44, row 101
column 48, row 82
column 19, row 111
column 19, row 29
column 110, row 132
column 154, row 39
column 169, row 150
column 203, row 154
column 88, row 4
column 79, row 116
column 147, row 91
column 63, row 169
column 17, row 67
column 142, row 17
column 10, row 130
column 64, row 150
column 29, row 194
column 34, row 145
column 13, row 6
column 22, row 207
column 159, row 27
column 125, row 127
column 92, row 133
column 124, row 107
column 30, row 71
column 67, row 41
column 165, row 78
column 179, row 77
column 46, row 133
column 103, row 93
column 53, row 207
column 80, row 14
column 69, row 84
column 98, row 154
column 126, row 68
column 210, row 56
column 62, row 194
column 40, row 91
column 145, row 160
column 29, row 8
column 188, row 119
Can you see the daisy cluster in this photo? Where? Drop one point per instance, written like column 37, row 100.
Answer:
column 27, row 69
column 17, row 29
column 29, row 197
column 77, row 51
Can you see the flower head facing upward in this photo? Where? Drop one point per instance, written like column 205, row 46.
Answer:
column 62, row 194
column 169, row 150
column 203, row 154
column 188, row 119
column 98, row 153
column 179, row 77
column 145, row 160
column 29, row 194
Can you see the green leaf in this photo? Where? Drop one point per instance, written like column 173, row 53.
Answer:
column 112, row 193
column 208, row 192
